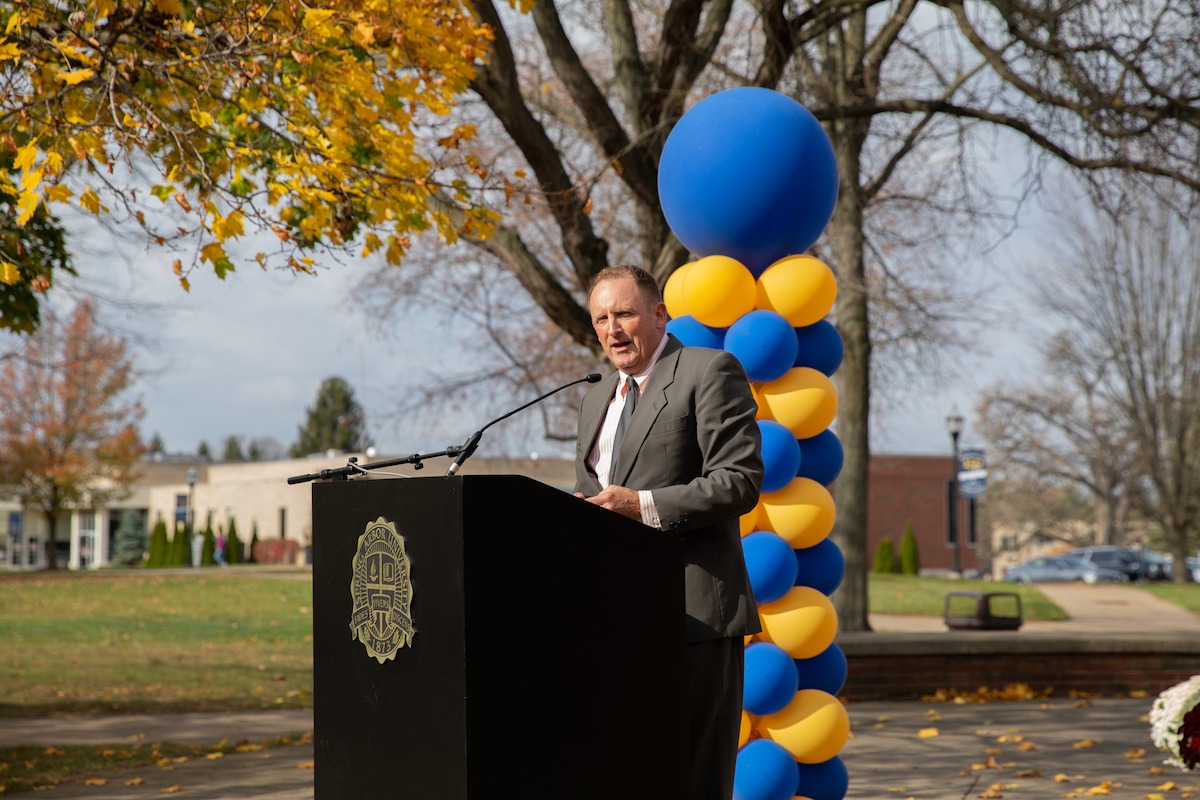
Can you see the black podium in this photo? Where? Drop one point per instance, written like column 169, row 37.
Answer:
column 546, row 657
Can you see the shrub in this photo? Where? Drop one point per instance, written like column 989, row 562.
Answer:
column 910, row 559
column 233, row 545
column 130, row 547
column 158, row 545
column 250, row 557
column 885, row 558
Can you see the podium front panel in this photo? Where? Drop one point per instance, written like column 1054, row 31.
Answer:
column 547, row 655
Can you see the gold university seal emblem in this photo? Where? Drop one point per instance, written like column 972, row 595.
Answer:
column 382, row 592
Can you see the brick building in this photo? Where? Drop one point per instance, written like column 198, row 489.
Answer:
column 914, row 490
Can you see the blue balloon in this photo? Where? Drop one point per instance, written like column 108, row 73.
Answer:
column 694, row 333
column 825, row 671
column 821, row 566
column 748, row 173
column 770, row 563
column 820, row 347
column 827, row 780
column 770, row 680
column 764, row 342
column 781, row 455
column 821, row 458
column 764, row 771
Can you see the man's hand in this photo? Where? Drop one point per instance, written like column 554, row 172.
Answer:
column 619, row 499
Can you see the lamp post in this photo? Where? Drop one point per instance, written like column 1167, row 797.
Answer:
column 954, row 424
column 191, row 482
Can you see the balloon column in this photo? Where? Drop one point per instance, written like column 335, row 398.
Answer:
column 748, row 181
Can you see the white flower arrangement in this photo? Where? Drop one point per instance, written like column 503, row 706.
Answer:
column 1175, row 723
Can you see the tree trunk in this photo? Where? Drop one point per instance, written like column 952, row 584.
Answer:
column 854, row 397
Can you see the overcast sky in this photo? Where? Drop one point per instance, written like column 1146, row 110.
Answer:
column 245, row 356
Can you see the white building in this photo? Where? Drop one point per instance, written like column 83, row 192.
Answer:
column 254, row 494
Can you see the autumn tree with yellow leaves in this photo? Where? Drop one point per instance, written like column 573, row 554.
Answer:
column 322, row 123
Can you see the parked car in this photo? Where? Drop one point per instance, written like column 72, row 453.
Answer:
column 1048, row 569
column 1155, row 566
column 1123, row 559
column 1193, row 567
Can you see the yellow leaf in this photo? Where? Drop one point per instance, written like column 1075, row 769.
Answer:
column 1104, row 788
column 927, row 733
column 75, row 76
column 305, row 765
column 228, row 227
column 9, row 273
column 172, row 789
column 95, row 781
column 13, row 22
column 27, row 204
column 58, row 194
column 1061, row 778
column 91, row 201
column 25, row 157
column 134, row 782
column 202, row 118
column 1085, row 744
column 10, row 52
column 172, row 7
column 1169, row 786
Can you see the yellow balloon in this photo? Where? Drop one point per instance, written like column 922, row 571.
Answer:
column 803, row 622
column 804, row 401
column 799, row 288
column 802, row 513
column 744, row 733
column 763, row 411
column 748, row 522
column 718, row 290
column 673, row 292
column 813, row 727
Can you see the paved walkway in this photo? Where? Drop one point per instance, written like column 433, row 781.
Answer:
column 1101, row 610
column 1025, row 749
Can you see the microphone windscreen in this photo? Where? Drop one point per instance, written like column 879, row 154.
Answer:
column 594, row 377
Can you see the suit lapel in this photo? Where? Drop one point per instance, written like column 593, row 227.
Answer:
column 652, row 402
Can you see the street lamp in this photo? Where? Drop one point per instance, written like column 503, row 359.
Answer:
column 191, row 482
column 954, row 425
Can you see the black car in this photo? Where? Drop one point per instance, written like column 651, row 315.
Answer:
column 1136, row 564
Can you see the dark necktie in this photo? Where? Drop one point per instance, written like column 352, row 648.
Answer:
column 630, row 390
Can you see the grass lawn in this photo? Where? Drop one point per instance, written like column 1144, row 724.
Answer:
column 1185, row 595
column 926, row 596
column 133, row 641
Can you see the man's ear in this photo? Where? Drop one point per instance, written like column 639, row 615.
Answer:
column 660, row 316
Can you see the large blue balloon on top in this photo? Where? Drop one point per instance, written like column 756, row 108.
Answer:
column 748, row 173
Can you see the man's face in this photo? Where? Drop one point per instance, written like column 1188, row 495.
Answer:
column 628, row 325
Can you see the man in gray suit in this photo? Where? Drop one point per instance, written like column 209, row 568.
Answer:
column 671, row 440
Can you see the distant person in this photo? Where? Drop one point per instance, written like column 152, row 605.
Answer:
column 687, row 461
column 219, row 550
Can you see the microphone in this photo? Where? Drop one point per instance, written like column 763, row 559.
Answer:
column 473, row 441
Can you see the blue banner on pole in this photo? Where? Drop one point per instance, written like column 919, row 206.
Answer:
column 972, row 473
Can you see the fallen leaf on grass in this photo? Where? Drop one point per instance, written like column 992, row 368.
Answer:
column 1156, row 770
column 1028, row 773
column 1027, row 747
column 95, row 781
column 305, row 765
column 1085, row 744
column 1136, row 754
column 1061, row 778
column 172, row 789
column 1007, row 738
column 214, row 756
column 248, row 747
column 995, row 790
column 134, row 782
column 989, row 764
column 1169, row 786
column 927, row 733
column 933, row 715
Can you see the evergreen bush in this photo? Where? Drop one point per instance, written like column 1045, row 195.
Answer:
column 250, row 559
column 885, row 558
column 233, row 545
column 130, row 546
column 910, row 559
column 207, row 552
column 158, row 545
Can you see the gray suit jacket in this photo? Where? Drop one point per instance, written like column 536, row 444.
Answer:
column 693, row 440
